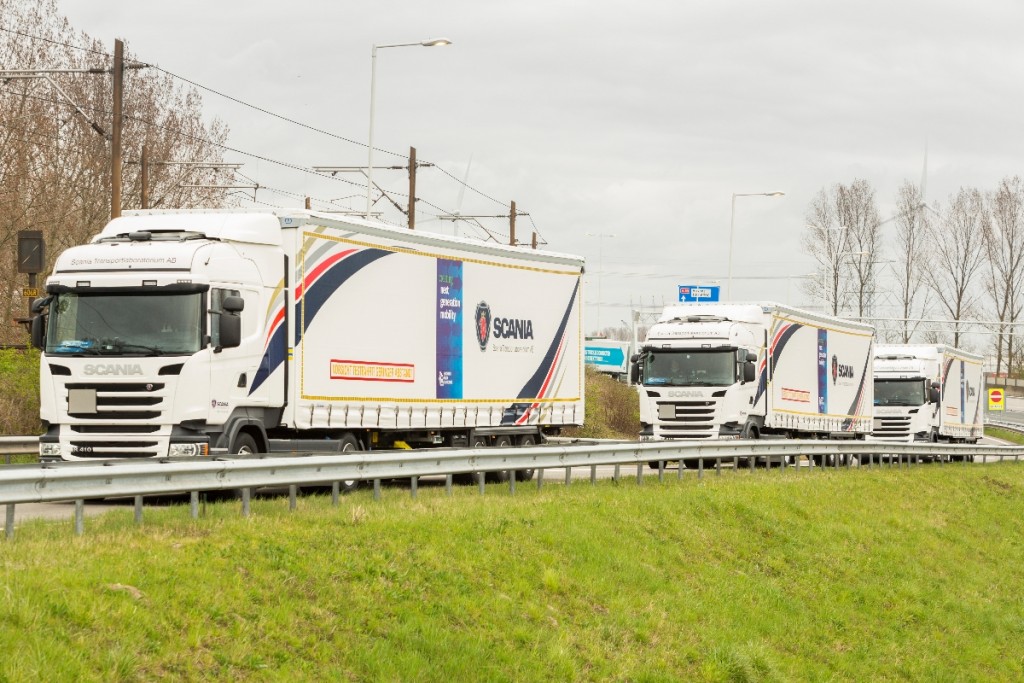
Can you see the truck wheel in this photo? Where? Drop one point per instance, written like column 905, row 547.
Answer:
column 349, row 444
column 525, row 441
column 244, row 445
column 501, row 476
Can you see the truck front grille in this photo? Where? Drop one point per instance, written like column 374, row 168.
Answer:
column 687, row 419
column 124, row 412
column 892, row 428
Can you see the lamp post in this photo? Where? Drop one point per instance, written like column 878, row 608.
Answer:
column 732, row 229
column 373, row 87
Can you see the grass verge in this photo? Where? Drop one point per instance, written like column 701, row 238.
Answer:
column 855, row 575
column 1004, row 434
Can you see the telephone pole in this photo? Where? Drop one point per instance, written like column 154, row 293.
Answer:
column 115, row 134
column 412, row 188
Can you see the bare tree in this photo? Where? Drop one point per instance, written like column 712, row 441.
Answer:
column 843, row 237
column 911, row 260
column 958, row 253
column 1004, row 249
column 55, row 165
column 856, row 210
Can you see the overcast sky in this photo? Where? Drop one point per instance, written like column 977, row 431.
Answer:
column 636, row 120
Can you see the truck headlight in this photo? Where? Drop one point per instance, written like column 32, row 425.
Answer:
column 188, row 450
column 49, row 449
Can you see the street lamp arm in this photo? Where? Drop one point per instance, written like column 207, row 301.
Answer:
column 373, row 91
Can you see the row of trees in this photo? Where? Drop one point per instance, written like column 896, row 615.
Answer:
column 55, row 140
column 961, row 260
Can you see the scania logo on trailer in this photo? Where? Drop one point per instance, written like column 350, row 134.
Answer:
column 483, row 324
column 840, row 371
column 113, row 369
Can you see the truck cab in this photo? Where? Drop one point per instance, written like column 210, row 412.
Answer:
column 695, row 373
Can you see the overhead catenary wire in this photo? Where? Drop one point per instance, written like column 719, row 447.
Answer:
column 286, row 119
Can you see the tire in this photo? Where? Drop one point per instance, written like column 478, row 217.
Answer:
column 471, row 477
column 349, row 444
column 525, row 441
column 501, row 476
column 243, row 444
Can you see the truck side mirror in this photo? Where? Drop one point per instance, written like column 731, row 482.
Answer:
column 230, row 330
column 233, row 304
column 39, row 331
column 634, row 372
column 749, row 372
column 933, row 393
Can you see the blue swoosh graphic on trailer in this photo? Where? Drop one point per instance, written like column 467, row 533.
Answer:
column 315, row 296
column 762, row 383
column 534, row 384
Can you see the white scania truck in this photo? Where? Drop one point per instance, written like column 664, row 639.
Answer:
column 719, row 370
column 192, row 332
column 927, row 392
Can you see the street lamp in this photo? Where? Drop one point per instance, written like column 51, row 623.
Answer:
column 732, row 228
column 373, row 86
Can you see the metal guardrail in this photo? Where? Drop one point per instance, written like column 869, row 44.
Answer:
column 13, row 445
column 1003, row 424
column 139, row 478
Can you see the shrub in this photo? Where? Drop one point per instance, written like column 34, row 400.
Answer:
column 19, row 392
column 612, row 409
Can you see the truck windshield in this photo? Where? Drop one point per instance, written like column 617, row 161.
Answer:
column 690, row 368
column 149, row 324
column 899, row 392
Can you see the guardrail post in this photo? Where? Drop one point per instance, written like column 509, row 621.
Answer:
column 293, row 492
column 736, row 463
column 448, row 484
column 481, row 479
column 568, row 476
column 700, row 468
column 414, row 484
column 679, row 472
column 661, row 471
column 193, row 504
column 639, row 473
column 512, row 482
column 376, row 489
column 9, row 522
column 79, row 517
column 753, row 459
column 616, row 473
column 335, row 493
column 138, row 509
column 246, row 501
column 540, row 477
column 718, row 466
column 593, row 475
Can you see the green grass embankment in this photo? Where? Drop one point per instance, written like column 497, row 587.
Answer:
column 850, row 575
column 1004, row 434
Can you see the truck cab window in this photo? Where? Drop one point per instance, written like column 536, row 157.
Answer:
column 129, row 323
column 217, row 296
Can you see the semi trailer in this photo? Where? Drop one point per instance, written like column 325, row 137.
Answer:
column 927, row 392
column 732, row 370
column 189, row 333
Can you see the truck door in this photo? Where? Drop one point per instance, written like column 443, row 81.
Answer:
column 232, row 369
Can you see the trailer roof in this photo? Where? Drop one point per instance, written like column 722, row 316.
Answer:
column 263, row 226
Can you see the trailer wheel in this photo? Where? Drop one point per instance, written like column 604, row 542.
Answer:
column 349, row 444
column 501, row 476
column 525, row 441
